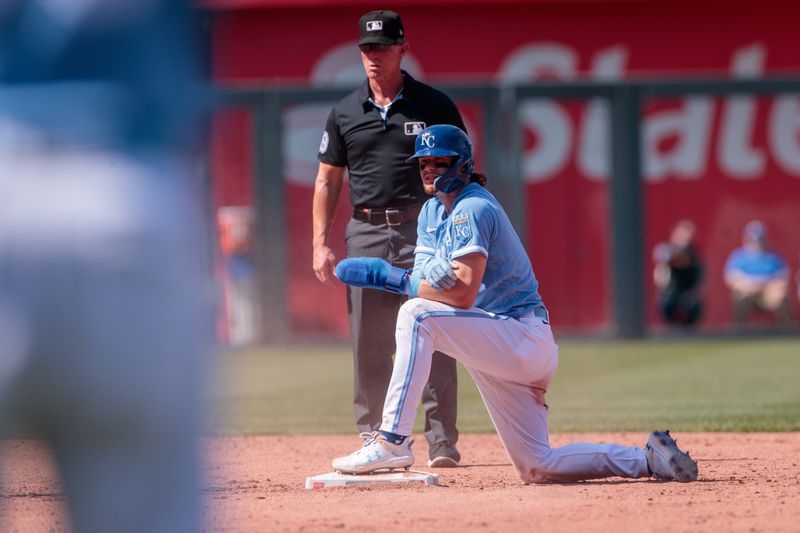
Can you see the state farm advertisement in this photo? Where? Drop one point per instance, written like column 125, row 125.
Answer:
column 717, row 161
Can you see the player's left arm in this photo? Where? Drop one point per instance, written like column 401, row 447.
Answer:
column 471, row 268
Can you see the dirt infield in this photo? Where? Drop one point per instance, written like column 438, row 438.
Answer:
column 748, row 482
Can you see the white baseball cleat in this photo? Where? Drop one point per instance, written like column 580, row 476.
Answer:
column 666, row 460
column 376, row 454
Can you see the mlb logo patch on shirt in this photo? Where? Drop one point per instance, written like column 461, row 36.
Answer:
column 413, row 128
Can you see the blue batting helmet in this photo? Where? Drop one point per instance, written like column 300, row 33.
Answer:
column 444, row 140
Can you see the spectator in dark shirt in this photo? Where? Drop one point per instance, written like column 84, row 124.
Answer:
column 678, row 274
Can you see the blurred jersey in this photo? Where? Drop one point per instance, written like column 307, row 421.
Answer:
column 106, row 72
column 104, row 285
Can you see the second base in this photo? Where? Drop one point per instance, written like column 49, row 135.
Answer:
column 337, row 479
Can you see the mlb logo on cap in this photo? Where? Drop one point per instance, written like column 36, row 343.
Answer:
column 380, row 27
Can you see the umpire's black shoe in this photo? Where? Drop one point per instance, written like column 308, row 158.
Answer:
column 443, row 455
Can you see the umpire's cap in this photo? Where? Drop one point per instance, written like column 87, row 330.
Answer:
column 381, row 27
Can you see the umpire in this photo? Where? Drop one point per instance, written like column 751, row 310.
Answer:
column 370, row 133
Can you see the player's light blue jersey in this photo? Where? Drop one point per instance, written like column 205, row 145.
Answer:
column 478, row 224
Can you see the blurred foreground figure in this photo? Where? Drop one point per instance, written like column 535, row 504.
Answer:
column 758, row 278
column 678, row 274
column 104, row 288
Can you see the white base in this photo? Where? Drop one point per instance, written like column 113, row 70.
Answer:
column 337, row 479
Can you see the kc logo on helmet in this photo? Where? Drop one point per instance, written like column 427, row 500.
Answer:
column 374, row 25
column 428, row 140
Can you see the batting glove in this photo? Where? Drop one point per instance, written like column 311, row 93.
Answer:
column 440, row 274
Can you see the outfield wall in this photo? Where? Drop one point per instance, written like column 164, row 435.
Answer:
column 717, row 161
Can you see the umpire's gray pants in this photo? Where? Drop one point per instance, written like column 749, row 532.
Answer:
column 373, row 317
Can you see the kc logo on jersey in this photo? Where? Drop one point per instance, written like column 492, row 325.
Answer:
column 461, row 227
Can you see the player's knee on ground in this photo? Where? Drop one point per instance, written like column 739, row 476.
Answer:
column 537, row 474
column 544, row 467
column 536, row 468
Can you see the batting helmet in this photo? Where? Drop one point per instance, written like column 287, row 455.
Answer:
column 444, row 140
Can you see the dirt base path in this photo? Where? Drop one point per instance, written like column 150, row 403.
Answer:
column 748, row 482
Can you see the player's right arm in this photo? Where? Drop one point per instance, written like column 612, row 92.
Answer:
column 469, row 271
column 327, row 188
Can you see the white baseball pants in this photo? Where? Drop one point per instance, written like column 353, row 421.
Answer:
column 512, row 362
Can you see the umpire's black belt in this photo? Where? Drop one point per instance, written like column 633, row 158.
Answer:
column 391, row 216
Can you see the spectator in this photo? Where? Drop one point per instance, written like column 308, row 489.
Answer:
column 758, row 279
column 678, row 274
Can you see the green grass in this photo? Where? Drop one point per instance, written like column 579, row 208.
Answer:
column 696, row 385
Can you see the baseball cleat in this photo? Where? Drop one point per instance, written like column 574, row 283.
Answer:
column 376, row 454
column 442, row 462
column 443, row 455
column 666, row 460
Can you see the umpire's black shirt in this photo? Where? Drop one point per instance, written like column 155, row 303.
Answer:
column 375, row 151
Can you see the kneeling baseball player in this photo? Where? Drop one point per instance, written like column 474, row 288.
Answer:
column 474, row 296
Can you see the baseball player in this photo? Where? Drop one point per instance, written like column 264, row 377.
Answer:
column 474, row 296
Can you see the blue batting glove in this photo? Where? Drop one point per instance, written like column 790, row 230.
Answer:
column 440, row 274
column 376, row 273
